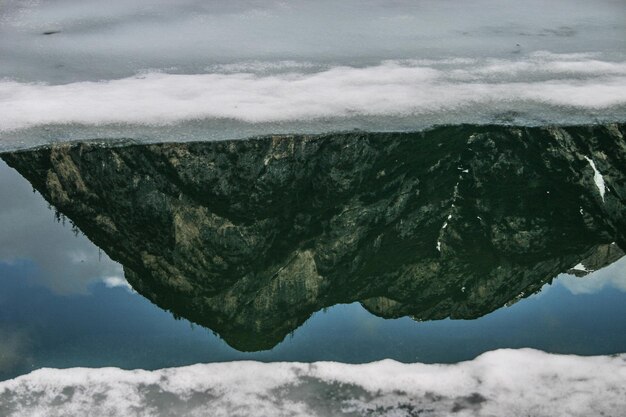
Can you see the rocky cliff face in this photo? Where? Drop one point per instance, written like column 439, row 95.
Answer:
column 250, row 237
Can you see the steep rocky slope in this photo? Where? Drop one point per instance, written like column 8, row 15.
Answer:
column 250, row 237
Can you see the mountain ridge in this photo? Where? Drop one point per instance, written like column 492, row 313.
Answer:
column 250, row 237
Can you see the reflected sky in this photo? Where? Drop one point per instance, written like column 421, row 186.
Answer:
column 613, row 277
column 115, row 327
column 29, row 232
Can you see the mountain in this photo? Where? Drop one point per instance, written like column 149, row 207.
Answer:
column 250, row 237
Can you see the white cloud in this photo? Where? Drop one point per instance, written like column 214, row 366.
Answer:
column 491, row 384
column 116, row 281
column 612, row 276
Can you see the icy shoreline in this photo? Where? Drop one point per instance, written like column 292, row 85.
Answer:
column 541, row 85
column 538, row 89
column 500, row 382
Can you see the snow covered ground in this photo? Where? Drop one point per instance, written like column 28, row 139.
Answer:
column 157, row 70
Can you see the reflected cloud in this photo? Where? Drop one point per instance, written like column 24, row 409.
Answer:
column 612, row 276
column 113, row 282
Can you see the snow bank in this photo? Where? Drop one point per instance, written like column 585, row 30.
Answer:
column 389, row 89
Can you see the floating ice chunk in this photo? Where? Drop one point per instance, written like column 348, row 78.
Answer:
column 597, row 178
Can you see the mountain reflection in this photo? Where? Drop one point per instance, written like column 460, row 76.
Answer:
column 251, row 237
